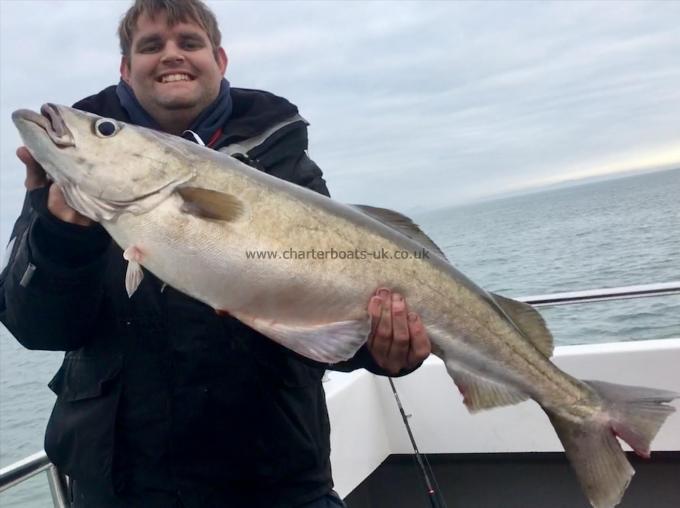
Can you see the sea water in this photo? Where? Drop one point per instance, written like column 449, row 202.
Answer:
column 618, row 232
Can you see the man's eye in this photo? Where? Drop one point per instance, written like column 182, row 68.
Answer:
column 149, row 48
column 192, row 45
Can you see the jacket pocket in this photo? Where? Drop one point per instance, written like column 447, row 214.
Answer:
column 81, row 378
column 80, row 434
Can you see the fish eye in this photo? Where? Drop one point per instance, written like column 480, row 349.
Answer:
column 105, row 128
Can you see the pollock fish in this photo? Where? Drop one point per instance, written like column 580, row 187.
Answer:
column 191, row 216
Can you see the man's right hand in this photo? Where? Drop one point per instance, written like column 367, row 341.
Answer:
column 56, row 204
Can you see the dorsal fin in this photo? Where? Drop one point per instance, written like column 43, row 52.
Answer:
column 403, row 224
column 529, row 321
column 210, row 204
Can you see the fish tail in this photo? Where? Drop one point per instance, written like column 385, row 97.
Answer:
column 632, row 413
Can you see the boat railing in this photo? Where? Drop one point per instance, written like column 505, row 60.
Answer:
column 37, row 463
column 31, row 466
column 602, row 295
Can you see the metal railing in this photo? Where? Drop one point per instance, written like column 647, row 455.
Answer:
column 30, row 466
column 37, row 463
column 603, row 295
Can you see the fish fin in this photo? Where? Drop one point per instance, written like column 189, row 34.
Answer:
column 134, row 273
column 600, row 465
column 529, row 321
column 480, row 393
column 634, row 414
column 133, row 277
column 211, row 204
column 403, row 224
column 327, row 343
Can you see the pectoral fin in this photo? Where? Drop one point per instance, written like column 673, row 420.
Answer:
column 211, row 204
column 134, row 273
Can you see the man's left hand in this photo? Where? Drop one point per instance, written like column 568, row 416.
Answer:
column 398, row 338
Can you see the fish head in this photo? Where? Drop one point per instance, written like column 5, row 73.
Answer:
column 105, row 167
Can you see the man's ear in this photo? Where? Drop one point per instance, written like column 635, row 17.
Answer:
column 222, row 59
column 125, row 69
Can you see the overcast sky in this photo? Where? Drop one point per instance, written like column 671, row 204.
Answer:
column 411, row 105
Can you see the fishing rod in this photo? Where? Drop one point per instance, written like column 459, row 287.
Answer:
column 433, row 494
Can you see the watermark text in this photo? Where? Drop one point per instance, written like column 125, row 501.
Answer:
column 291, row 254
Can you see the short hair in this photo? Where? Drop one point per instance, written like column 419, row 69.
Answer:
column 177, row 11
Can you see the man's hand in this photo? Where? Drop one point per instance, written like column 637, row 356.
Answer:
column 56, row 204
column 398, row 338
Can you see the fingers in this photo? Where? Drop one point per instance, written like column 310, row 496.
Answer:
column 374, row 311
column 35, row 175
column 57, row 205
column 398, row 338
column 420, row 346
column 399, row 349
column 389, row 341
column 381, row 324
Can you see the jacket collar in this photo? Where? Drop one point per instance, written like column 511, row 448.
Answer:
column 205, row 125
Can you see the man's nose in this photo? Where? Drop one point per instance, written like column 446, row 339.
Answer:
column 172, row 54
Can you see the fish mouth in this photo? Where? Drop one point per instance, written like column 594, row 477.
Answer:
column 50, row 121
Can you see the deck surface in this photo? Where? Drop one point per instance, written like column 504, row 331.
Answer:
column 537, row 480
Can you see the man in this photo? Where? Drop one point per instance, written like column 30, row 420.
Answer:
column 160, row 401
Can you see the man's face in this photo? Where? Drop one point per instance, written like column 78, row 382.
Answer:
column 172, row 69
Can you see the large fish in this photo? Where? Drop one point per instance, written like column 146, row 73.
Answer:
column 197, row 218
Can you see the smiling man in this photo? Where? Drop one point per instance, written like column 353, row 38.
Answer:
column 161, row 402
column 173, row 68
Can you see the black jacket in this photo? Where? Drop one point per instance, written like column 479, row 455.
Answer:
column 157, row 391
